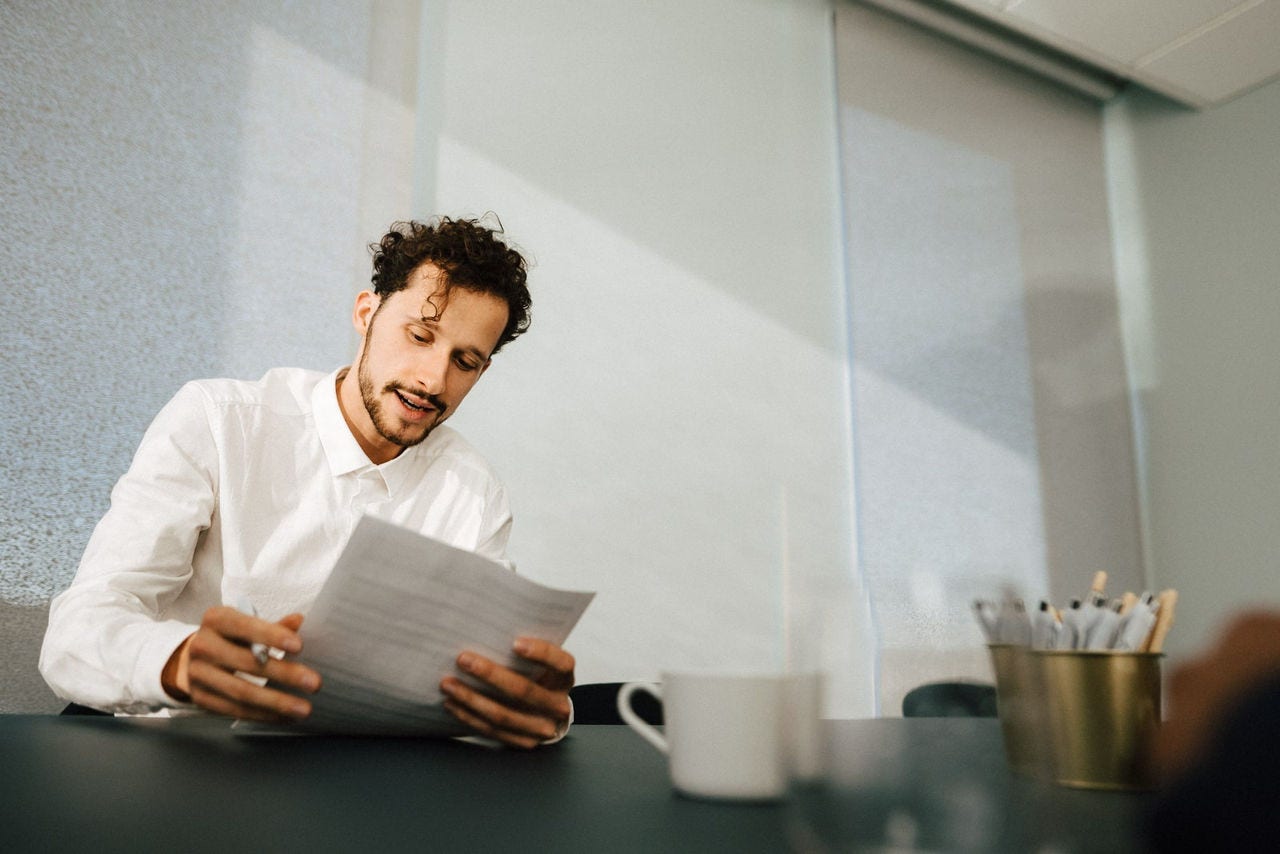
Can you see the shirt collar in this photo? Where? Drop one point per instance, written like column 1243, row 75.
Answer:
column 343, row 452
column 340, row 447
column 396, row 472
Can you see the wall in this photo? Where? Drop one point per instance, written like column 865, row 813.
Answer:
column 992, row 427
column 674, row 428
column 181, row 195
column 1195, row 208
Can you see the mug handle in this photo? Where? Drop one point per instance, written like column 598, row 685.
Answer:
column 633, row 720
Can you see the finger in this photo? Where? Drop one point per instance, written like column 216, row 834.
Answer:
column 292, row 675
column 497, row 715
column 215, row 702
column 486, row 728
column 207, row 645
column 260, row 636
column 544, row 652
column 292, row 622
column 218, row 704
column 213, row 661
column 218, row 690
column 242, row 627
column 514, row 686
column 483, row 727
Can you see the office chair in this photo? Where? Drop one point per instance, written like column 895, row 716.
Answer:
column 77, row 709
column 597, row 703
column 950, row 700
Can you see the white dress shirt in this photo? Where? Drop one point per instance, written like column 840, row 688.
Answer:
column 244, row 492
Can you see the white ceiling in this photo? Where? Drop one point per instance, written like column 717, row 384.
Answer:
column 1199, row 52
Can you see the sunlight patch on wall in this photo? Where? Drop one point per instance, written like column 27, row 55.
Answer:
column 295, row 101
column 948, row 473
column 646, row 427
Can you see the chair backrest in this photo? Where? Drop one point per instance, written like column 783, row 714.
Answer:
column 597, row 703
column 22, row 688
column 950, row 700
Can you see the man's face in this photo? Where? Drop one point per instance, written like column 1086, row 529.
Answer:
column 420, row 357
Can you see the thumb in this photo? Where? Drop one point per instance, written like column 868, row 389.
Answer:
column 291, row 621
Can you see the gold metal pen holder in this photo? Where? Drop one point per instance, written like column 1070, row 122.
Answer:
column 1082, row 718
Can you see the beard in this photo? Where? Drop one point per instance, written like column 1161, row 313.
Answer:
column 388, row 426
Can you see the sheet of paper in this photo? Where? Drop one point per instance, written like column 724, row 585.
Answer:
column 395, row 613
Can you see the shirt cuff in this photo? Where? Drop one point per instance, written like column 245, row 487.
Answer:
column 563, row 729
column 164, row 638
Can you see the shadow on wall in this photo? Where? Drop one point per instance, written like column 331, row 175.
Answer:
column 22, row 689
column 122, row 157
column 170, row 185
column 139, row 146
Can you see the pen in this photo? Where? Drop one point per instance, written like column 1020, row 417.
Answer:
column 1016, row 624
column 1043, row 627
column 985, row 611
column 1164, row 619
column 1099, row 586
column 1090, row 613
column 1136, row 625
column 1102, row 633
column 261, row 652
column 1072, row 626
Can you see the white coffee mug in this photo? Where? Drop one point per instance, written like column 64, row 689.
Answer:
column 723, row 733
column 804, row 734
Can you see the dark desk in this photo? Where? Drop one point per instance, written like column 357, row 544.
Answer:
column 104, row 784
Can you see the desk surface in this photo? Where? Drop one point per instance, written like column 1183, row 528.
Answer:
column 99, row 784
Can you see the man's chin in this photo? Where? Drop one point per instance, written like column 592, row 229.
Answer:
column 416, row 436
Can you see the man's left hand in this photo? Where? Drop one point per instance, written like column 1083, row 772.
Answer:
column 526, row 712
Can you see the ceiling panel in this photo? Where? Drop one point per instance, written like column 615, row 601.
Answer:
column 1199, row 52
column 1124, row 30
column 1228, row 59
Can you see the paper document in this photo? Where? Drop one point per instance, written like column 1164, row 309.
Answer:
column 395, row 613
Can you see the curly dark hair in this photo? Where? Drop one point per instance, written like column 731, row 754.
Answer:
column 469, row 254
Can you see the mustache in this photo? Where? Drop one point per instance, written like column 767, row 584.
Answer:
column 432, row 399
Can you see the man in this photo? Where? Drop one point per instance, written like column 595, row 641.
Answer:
column 1219, row 752
column 241, row 495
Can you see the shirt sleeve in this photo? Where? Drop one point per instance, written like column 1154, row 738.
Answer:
column 107, row 639
column 495, row 526
column 563, row 729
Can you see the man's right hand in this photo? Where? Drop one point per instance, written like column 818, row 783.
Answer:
column 203, row 669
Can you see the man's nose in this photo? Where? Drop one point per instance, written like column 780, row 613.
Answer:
column 432, row 370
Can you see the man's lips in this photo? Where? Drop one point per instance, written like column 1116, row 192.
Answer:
column 422, row 405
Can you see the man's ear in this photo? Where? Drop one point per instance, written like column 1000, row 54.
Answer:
column 366, row 304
